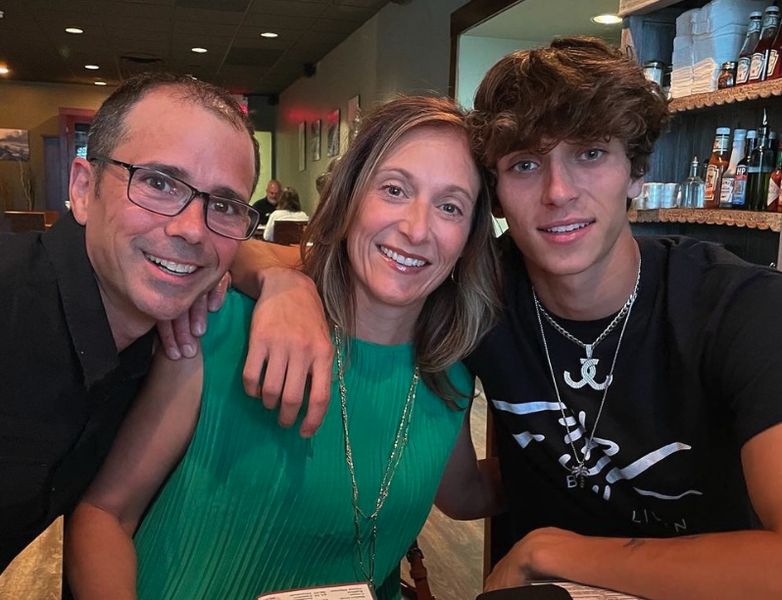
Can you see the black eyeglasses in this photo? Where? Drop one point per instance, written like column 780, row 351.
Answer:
column 166, row 195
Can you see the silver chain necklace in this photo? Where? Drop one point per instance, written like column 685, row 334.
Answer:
column 589, row 364
column 394, row 458
column 579, row 470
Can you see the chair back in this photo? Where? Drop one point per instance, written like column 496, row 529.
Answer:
column 289, row 232
column 23, row 220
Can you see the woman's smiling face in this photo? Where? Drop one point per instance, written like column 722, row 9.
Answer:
column 413, row 221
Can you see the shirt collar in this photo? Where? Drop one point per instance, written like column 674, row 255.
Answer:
column 82, row 305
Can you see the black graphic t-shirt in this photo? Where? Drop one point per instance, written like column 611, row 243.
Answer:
column 697, row 375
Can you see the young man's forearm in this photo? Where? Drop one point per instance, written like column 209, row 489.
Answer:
column 742, row 564
column 100, row 559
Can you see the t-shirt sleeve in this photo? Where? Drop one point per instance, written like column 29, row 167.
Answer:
column 747, row 355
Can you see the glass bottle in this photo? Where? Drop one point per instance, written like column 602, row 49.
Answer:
column 757, row 66
column 727, row 76
column 729, row 176
column 759, row 167
column 718, row 162
column 748, row 47
column 774, row 66
column 692, row 188
column 774, row 185
column 739, row 199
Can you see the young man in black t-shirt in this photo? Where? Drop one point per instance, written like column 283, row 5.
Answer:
column 636, row 385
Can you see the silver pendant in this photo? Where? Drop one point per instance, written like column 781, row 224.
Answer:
column 580, row 472
column 588, row 372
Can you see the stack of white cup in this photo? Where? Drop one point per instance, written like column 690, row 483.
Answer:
column 657, row 195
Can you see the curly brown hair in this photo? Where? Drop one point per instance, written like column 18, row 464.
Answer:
column 576, row 89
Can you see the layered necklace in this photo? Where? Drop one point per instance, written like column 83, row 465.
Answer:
column 589, row 364
column 366, row 559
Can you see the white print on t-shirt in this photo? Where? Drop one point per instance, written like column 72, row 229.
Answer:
column 608, row 447
column 646, row 516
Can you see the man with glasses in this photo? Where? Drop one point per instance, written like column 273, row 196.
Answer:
column 159, row 208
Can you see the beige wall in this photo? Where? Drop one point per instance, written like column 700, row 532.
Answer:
column 401, row 49
column 35, row 107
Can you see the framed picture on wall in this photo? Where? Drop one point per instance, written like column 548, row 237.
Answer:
column 353, row 117
column 315, row 140
column 302, row 146
column 332, row 132
column 14, row 144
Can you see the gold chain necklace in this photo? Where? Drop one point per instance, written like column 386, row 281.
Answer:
column 394, row 458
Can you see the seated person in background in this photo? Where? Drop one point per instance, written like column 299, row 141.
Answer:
column 400, row 250
column 288, row 209
column 268, row 203
column 636, row 384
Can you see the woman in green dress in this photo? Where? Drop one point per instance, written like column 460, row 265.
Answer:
column 233, row 505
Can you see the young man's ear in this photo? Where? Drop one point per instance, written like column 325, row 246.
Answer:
column 634, row 189
column 80, row 188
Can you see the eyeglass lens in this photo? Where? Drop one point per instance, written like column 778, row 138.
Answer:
column 160, row 193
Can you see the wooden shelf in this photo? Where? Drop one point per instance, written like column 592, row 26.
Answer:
column 705, row 216
column 743, row 93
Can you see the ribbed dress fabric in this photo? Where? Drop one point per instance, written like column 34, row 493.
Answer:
column 254, row 508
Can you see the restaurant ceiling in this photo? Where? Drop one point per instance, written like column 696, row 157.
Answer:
column 542, row 20
column 127, row 37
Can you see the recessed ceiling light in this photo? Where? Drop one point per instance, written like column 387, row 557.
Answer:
column 92, row 67
column 198, row 50
column 73, row 30
column 269, row 34
column 607, row 19
column 100, row 83
column 4, row 70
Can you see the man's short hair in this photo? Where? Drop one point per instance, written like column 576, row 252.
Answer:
column 576, row 89
column 108, row 127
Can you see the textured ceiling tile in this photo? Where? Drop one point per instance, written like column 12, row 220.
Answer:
column 222, row 5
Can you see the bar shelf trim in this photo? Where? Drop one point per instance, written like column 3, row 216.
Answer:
column 701, row 216
column 743, row 93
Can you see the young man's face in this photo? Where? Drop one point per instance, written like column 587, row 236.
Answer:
column 566, row 209
column 149, row 266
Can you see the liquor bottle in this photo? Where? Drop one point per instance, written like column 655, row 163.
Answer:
column 739, row 199
column 757, row 66
column 729, row 176
column 692, row 188
column 748, row 47
column 774, row 184
column 759, row 167
column 718, row 162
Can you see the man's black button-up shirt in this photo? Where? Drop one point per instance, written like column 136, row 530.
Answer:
column 64, row 389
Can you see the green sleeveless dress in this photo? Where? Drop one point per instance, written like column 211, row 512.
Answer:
column 254, row 508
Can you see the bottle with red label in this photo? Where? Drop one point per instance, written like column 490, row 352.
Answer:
column 718, row 162
column 774, row 66
column 774, row 184
column 757, row 66
column 748, row 47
